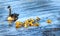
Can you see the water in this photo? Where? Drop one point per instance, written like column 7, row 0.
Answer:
column 45, row 9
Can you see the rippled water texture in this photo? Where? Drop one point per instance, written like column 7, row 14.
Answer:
column 45, row 9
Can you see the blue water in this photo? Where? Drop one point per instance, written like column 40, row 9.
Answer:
column 45, row 9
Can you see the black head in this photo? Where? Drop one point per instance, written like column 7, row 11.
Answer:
column 8, row 6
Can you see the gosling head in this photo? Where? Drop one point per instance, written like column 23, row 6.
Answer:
column 37, row 18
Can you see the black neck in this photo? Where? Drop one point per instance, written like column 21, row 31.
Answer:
column 9, row 11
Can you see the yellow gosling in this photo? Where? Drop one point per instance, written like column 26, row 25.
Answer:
column 37, row 18
column 49, row 21
column 18, row 24
column 26, row 24
column 31, row 23
column 36, row 24
column 31, row 20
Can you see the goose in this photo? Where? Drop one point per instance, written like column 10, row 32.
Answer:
column 12, row 17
